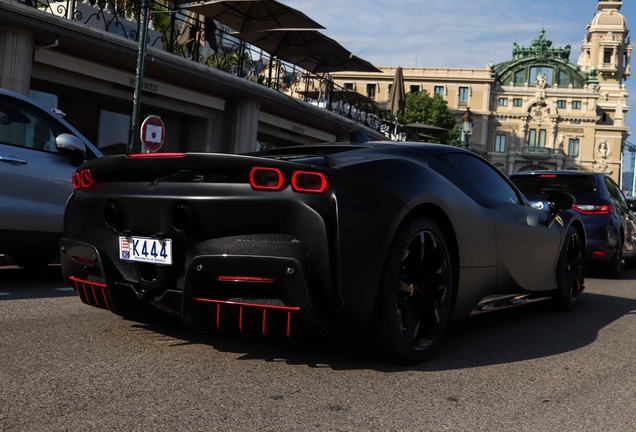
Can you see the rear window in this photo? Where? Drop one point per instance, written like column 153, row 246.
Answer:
column 545, row 185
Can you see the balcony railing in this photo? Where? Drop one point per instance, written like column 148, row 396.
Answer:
column 205, row 41
column 539, row 152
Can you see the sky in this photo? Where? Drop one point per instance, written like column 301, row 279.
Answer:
column 459, row 33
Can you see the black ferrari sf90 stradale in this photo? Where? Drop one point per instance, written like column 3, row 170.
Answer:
column 393, row 240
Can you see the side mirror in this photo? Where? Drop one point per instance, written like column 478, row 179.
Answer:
column 71, row 146
column 558, row 202
column 67, row 143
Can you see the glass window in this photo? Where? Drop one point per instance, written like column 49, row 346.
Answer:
column 576, row 105
column 561, row 104
column 488, row 181
column 503, row 102
column 500, row 143
column 544, row 185
column 113, row 132
column 371, row 91
column 532, row 137
column 348, row 86
column 463, row 94
column 547, row 71
column 517, row 102
column 519, row 77
column 390, row 87
column 573, row 147
column 23, row 125
column 564, row 80
column 615, row 191
column 541, row 137
column 414, row 88
column 439, row 91
column 607, row 56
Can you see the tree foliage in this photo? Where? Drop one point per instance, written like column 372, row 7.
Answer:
column 431, row 110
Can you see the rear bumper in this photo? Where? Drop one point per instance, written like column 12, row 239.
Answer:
column 250, row 293
column 602, row 239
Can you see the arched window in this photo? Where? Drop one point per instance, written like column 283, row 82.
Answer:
column 547, row 71
column 519, row 77
column 564, row 80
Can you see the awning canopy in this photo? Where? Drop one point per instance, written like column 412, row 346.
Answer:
column 425, row 126
column 253, row 15
column 294, row 43
column 326, row 64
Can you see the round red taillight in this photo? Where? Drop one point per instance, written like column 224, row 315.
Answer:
column 310, row 182
column 263, row 178
column 77, row 180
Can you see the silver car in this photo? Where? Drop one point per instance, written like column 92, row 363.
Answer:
column 38, row 154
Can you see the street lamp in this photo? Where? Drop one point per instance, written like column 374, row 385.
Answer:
column 133, row 137
column 467, row 126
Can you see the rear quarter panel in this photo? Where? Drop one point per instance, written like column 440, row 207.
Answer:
column 367, row 231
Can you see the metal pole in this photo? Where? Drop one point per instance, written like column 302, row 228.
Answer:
column 633, row 152
column 133, row 138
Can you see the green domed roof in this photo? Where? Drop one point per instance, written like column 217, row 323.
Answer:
column 540, row 57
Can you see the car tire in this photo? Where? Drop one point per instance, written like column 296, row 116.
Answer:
column 416, row 293
column 32, row 261
column 570, row 271
column 615, row 265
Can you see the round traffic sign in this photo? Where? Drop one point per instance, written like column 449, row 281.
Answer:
column 153, row 133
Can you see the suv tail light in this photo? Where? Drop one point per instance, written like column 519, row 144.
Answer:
column 83, row 179
column 263, row 178
column 590, row 209
column 310, row 182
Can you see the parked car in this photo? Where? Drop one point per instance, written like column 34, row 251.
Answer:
column 39, row 151
column 379, row 240
column 608, row 221
column 631, row 203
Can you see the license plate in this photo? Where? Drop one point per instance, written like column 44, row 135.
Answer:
column 146, row 249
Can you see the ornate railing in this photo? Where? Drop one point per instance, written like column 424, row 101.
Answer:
column 540, row 152
column 205, row 41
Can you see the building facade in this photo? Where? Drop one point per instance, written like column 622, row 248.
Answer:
column 539, row 110
column 80, row 58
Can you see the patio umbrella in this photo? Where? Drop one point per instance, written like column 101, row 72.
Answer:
column 427, row 136
column 323, row 64
column 294, row 43
column 419, row 125
column 397, row 97
column 254, row 15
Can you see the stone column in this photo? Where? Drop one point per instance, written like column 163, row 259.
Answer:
column 16, row 47
column 241, row 128
column 511, row 165
column 484, row 131
column 553, row 134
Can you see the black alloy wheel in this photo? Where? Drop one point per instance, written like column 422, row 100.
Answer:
column 417, row 292
column 570, row 271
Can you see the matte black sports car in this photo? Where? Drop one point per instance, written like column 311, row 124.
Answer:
column 390, row 240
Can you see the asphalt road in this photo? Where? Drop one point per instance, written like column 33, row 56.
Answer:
column 68, row 366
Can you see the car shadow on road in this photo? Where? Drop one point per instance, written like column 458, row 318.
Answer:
column 512, row 335
column 523, row 333
column 17, row 283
